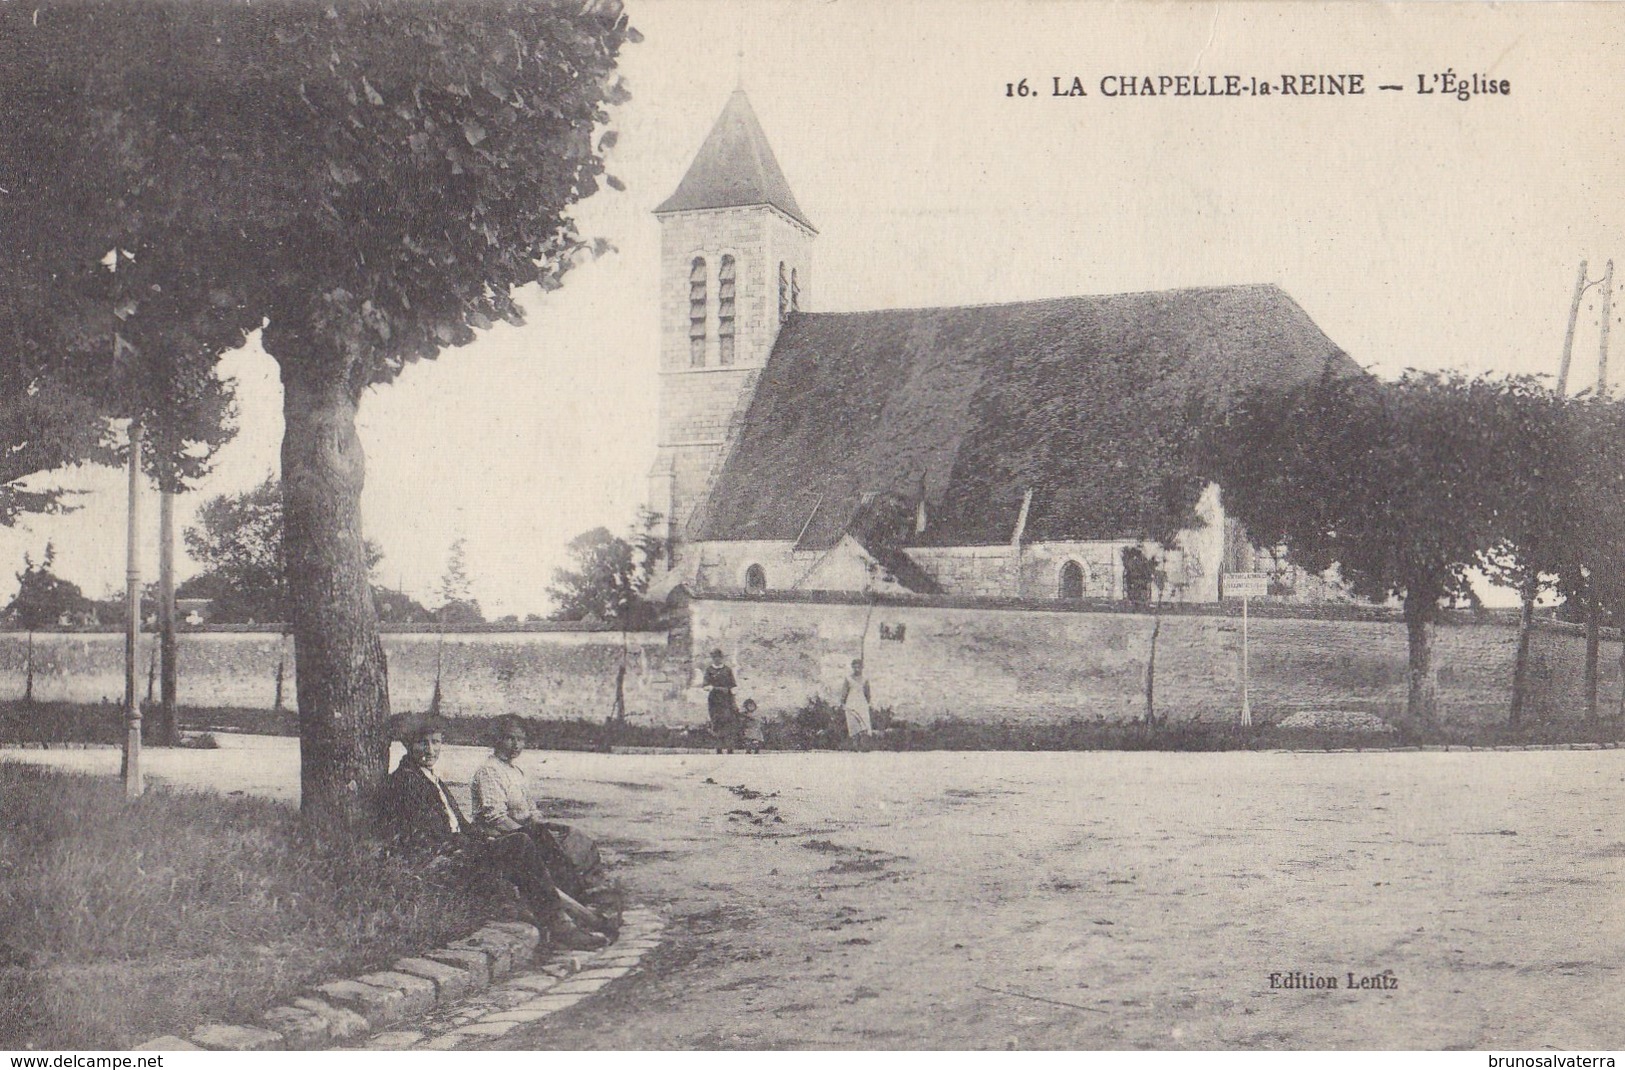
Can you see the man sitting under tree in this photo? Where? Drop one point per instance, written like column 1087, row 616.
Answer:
column 419, row 812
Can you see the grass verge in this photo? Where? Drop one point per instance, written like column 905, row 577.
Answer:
column 820, row 725
column 122, row 920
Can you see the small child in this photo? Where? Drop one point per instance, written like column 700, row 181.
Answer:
column 750, row 726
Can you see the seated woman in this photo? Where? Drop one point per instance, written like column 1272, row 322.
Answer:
column 503, row 807
column 419, row 812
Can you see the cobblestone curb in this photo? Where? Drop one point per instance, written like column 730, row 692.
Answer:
column 445, row 989
column 529, row 995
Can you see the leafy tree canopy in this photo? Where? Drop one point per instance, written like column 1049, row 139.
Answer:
column 398, row 607
column 610, row 577
column 1398, row 484
column 238, row 541
column 1403, row 486
column 368, row 180
column 42, row 596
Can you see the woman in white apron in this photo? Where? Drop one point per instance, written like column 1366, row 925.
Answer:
column 855, row 704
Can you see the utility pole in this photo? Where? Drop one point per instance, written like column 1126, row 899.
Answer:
column 133, row 785
column 1568, row 338
column 1593, row 613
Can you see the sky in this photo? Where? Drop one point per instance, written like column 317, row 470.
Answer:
column 1417, row 230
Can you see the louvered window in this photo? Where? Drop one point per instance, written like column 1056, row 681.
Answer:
column 725, row 311
column 795, row 292
column 696, row 313
column 784, row 292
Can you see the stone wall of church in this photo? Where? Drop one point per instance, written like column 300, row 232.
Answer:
column 991, row 571
column 1029, row 663
column 726, row 565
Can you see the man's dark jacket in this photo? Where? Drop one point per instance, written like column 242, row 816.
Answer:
column 411, row 812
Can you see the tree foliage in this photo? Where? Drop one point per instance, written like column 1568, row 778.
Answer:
column 238, row 541
column 43, row 597
column 398, row 607
column 611, row 576
column 1591, row 563
column 371, row 181
column 1400, row 485
column 457, row 602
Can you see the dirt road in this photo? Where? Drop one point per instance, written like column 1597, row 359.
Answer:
column 1100, row 900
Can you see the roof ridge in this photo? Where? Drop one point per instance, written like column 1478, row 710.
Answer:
column 1223, row 287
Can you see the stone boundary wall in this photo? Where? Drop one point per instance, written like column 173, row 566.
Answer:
column 926, row 659
column 551, row 674
column 929, row 661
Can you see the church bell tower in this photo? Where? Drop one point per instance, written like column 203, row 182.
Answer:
column 735, row 260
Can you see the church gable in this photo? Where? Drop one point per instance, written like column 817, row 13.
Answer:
column 971, row 408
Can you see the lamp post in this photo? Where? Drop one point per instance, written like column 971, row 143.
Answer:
column 133, row 785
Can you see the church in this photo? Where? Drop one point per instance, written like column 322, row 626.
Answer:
column 985, row 451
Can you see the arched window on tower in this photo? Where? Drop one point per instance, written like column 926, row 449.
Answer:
column 696, row 313
column 1071, row 581
column 756, row 579
column 795, row 292
column 784, row 291
column 725, row 311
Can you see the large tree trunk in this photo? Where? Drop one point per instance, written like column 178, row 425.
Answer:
column 1422, row 685
column 1520, row 670
column 341, row 678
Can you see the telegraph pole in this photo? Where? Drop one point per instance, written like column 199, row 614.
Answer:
column 1580, row 285
column 1593, row 613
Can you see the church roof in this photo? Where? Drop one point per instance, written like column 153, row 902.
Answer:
column 970, row 407
column 735, row 167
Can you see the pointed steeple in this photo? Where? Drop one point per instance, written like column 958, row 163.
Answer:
column 734, row 168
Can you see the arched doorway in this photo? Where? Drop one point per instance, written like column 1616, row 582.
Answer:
column 1071, row 581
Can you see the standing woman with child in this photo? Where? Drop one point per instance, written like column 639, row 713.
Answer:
column 719, row 684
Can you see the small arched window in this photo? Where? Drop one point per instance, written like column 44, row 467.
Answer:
column 756, row 579
column 725, row 311
column 696, row 313
column 1071, row 581
column 784, row 291
column 795, row 292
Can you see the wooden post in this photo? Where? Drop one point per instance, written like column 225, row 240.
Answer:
column 133, row 785
column 1602, row 343
column 1246, row 705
